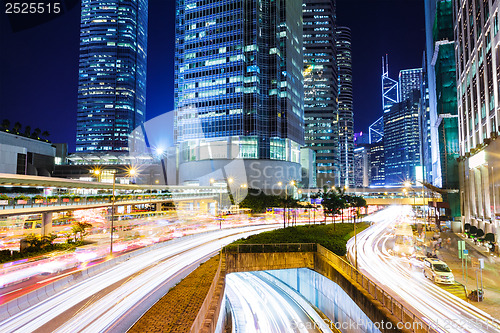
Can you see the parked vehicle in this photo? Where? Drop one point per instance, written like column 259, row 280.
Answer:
column 438, row 271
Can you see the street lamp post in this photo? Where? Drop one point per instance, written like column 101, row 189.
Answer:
column 408, row 186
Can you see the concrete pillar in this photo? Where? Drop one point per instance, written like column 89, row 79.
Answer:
column 46, row 224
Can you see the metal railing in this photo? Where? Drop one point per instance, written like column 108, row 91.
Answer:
column 269, row 248
column 410, row 321
column 86, row 201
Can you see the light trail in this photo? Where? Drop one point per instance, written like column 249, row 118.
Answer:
column 258, row 305
column 150, row 269
column 444, row 311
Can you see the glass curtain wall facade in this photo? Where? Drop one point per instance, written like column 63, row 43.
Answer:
column 321, row 89
column 425, row 126
column 409, row 80
column 112, row 73
column 402, row 141
column 390, row 87
column 345, row 105
column 238, row 79
column 477, row 56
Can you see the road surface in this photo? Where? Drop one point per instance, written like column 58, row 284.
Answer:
column 113, row 300
column 406, row 283
column 259, row 305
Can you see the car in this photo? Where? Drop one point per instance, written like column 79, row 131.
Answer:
column 438, row 271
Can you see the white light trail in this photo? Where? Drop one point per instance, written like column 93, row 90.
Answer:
column 446, row 312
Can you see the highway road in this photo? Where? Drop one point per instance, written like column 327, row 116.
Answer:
column 405, row 282
column 113, row 300
column 259, row 305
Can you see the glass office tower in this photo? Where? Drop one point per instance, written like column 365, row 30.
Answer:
column 390, row 87
column 409, row 80
column 239, row 84
column 112, row 73
column 402, row 141
column 321, row 89
column 346, row 115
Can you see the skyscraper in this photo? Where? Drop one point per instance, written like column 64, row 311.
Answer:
column 402, row 141
column 443, row 109
column 376, row 130
column 112, row 73
column 320, row 88
column 345, row 105
column 409, row 80
column 477, row 54
column 390, row 87
column 238, row 83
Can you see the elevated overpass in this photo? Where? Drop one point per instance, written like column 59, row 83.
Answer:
column 61, row 195
column 385, row 196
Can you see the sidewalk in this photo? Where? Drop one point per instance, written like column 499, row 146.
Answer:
column 491, row 279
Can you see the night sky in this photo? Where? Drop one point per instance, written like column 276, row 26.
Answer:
column 39, row 65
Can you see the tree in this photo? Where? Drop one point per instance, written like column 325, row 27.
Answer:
column 79, row 228
column 5, row 124
column 36, row 133
column 46, row 134
column 27, row 131
column 17, row 127
column 332, row 203
column 259, row 202
column 358, row 202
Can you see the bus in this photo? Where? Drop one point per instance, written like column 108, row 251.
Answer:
column 403, row 240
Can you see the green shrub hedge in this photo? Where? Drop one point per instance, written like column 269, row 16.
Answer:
column 333, row 237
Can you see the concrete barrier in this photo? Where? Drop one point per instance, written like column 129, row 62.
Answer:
column 208, row 315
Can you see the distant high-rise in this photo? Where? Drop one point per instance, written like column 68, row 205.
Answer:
column 376, row 130
column 345, row 106
column 477, row 54
column 362, row 165
column 409, row 80
column 377, row 164
column 321, row 88
column 239, row 83
column 402, row 141
column 390, row 87
column 112, row 73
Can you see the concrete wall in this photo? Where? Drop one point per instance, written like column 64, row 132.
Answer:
column 8, row 157
column 372, row 308
column 246, row 262
column 327, row 296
